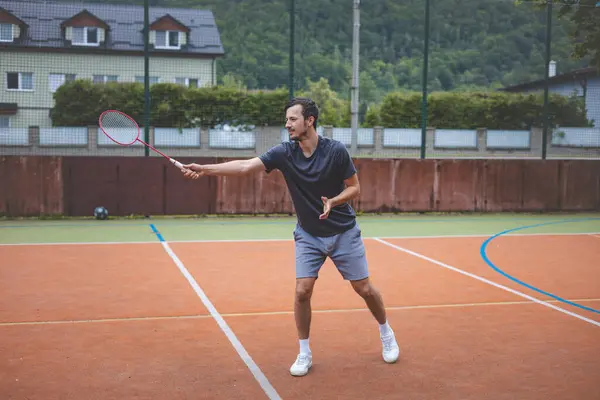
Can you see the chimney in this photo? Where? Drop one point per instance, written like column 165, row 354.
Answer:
column 552, row 69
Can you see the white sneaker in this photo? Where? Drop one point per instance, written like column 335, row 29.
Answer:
column 301, row 365
column 391, row 351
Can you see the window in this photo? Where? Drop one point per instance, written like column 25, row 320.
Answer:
column 92, row 35
column 189, row 82
column 6, row 33
column 57, row 80
column 105, row 78
column 86, row 36
column 19, row 81
column 167, row 39
column 151, row 79
column 4, row 122
column 173, row 39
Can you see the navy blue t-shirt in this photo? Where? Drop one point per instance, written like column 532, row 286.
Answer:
column 309, row 178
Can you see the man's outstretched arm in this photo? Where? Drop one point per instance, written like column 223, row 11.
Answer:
column 237, row 167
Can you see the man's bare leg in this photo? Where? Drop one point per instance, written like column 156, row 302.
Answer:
column 303, row 314
column 374, row 301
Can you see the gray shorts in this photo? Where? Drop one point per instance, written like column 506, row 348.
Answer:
column 346, row 250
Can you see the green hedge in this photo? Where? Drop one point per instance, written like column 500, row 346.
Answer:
column 460, row 110
column 79, row 103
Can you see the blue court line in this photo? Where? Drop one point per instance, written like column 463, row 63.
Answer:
column 158, row 235
column 491, row 264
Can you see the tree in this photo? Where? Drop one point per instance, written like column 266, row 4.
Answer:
column 332, row 110
column 585, row 30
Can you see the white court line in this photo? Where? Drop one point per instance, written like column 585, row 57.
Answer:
column 290, row 239
column 237, row 345
column 596, row 236
column 484, row 280
column 284, row 312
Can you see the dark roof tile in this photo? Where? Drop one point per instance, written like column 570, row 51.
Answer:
column 125, row 21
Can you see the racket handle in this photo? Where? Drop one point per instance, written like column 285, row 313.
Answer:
column 176, row 163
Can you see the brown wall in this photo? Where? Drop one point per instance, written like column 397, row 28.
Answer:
column 31, row 186
column 134, row 185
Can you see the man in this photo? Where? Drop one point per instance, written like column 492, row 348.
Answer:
column 322, row 180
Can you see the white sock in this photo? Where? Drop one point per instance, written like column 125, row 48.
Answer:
column 385, row 329
column 304, row 347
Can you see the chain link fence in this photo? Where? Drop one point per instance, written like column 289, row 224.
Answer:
column 198, row 85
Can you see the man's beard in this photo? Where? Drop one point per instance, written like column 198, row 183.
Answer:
column 299, row 137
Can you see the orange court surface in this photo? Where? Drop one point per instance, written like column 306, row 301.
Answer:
column 172, row 311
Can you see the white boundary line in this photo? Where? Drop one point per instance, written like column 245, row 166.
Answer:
column 237, row 345
column 283, row 312
column 597, row 234
column 484, row 280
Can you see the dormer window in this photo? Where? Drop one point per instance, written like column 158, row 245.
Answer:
column 85, row 36
column 168, row 40
column 11, row 27
column 6, row 32
column 168, row 33
column 85, row 29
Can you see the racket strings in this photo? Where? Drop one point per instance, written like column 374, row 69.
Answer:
column 119, row 127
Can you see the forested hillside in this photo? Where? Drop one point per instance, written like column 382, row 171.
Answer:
column 474, row 44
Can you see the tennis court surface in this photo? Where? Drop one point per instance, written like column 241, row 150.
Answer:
column 483, row 307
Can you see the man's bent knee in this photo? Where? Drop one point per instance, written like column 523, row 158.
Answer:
column 304, row 288
column 364, row 288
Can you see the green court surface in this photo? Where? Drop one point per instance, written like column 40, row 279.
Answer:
column 256, row 228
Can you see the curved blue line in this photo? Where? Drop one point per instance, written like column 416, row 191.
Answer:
column 491, row 264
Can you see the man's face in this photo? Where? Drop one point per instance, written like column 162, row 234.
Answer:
column 295, row 123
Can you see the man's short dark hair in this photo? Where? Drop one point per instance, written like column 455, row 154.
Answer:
column 309, row 108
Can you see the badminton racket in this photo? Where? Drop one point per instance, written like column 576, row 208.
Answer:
column 123, row 130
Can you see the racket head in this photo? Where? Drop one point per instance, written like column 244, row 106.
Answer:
column 119, row 127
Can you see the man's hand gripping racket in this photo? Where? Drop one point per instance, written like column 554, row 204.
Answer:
column 123, row 130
